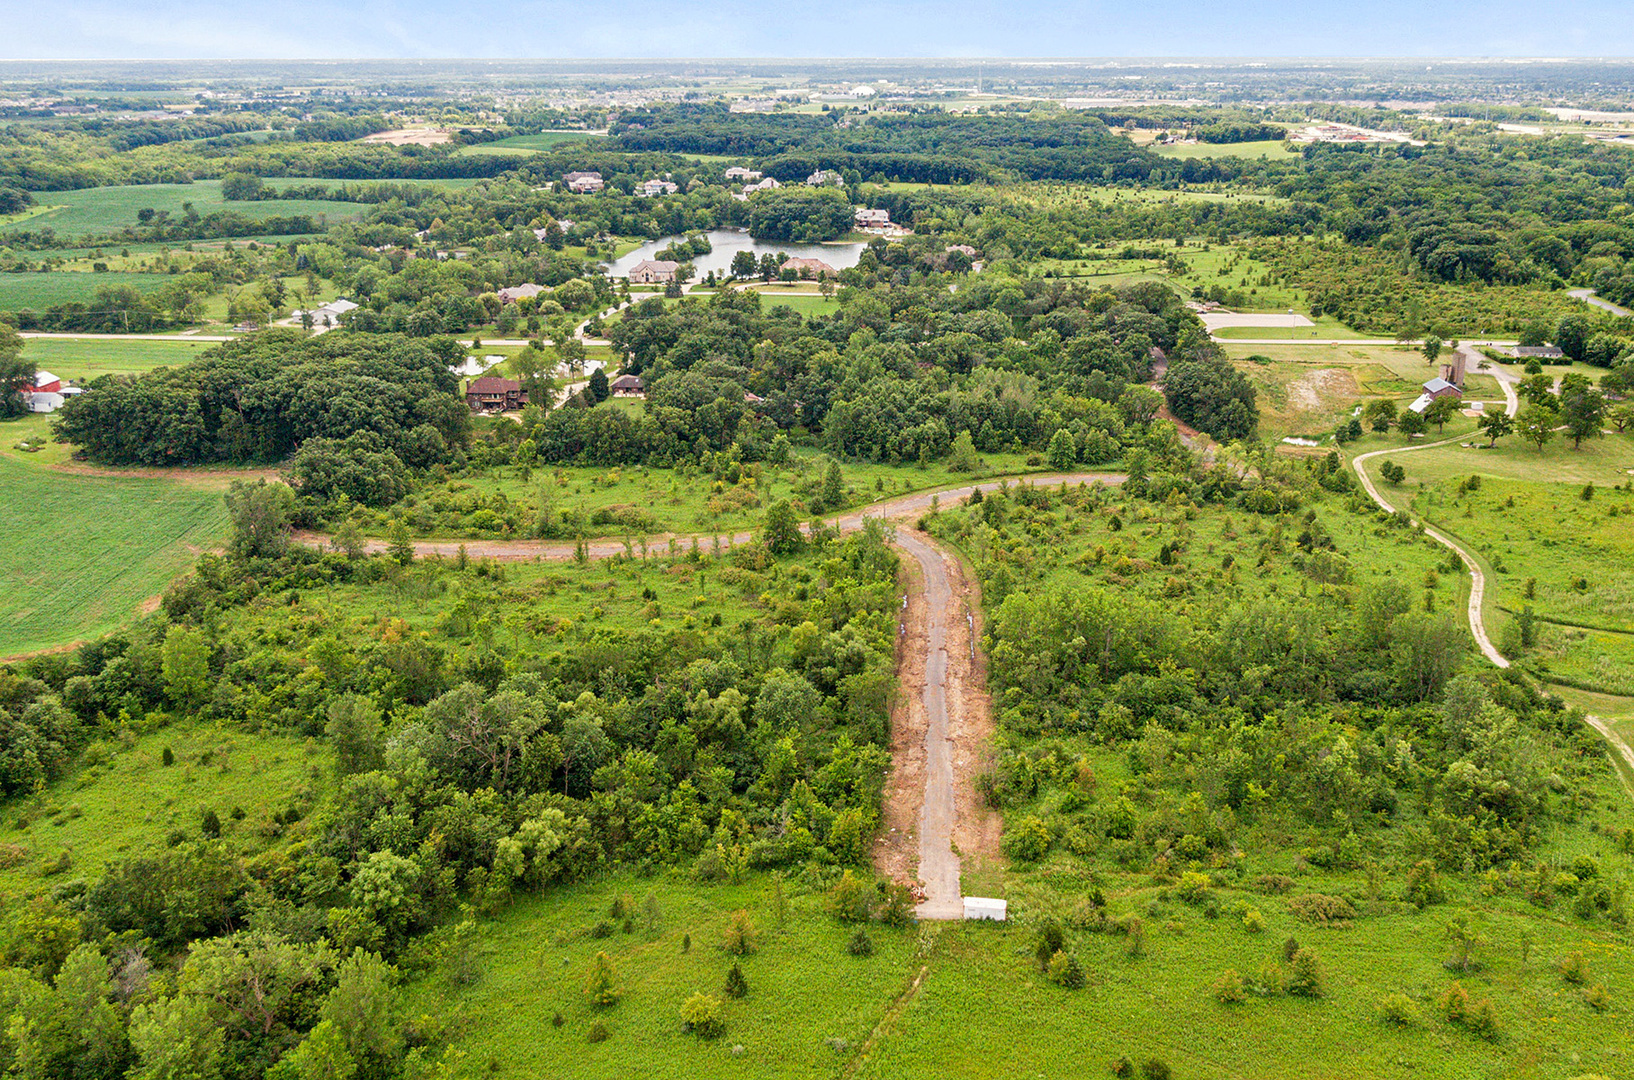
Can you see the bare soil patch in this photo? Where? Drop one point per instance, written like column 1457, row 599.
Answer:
column 417, row 136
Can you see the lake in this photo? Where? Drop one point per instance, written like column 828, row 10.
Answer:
column 728, row 242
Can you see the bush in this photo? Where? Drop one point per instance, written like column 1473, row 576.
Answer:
column 1029, row 841
column 1399, row 1010
column 598, row 1032
column 1065, row 971
column 851, row 900
column 1483, row 1020
column 736, row 985
column 1454, row 1004
column 860, row 944
column 1596, row 998
column 1320, row 909
column 1574, row 969
column 1305, row 974
column 742, row 939
column 1156, row 1069
column 1229, row 988
column 1253, row 921
column 701, row 1015
column 1123, row 1066
column 1424, row 885
column 1193, row 888
column 601, row 985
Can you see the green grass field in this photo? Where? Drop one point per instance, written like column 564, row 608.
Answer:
column 524, row 145
column 101, row 210
column 85, row 359
column 1269, row 148
column 668, row 500
column 83, row 553
column 39, row 291
column 122, row 801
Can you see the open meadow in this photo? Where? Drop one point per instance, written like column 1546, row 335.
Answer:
column 85, row 551
column 108, row 209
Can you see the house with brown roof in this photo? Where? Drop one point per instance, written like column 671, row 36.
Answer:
column 809, row 268
column 628, row 386
column 493, row 394
column 653, row 272
column 514, row 293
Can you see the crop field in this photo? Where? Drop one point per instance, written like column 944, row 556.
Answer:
column 1269, row 148
column 84, row 552
column 39, row 291
column 107, row 209
column 123, row 801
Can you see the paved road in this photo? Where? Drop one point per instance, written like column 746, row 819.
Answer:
column 938, row 865
column 1588, row 297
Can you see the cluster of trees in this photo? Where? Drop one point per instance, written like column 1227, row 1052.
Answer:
column 799, row 214
column 259, row 398
column 461, row 777
column 1345, row 716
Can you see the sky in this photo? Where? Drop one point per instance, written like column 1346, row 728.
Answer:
column 280, row 29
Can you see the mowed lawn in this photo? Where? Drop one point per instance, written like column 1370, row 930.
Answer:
column 106, row 209
column 82, row 553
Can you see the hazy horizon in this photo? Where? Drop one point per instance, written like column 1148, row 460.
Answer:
column 849, row 29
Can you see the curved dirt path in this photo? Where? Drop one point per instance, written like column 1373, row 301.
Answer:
column 1477, row 592
column 561, row 550
column 1477, row 589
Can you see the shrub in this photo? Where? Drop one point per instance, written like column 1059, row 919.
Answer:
column 741, row 937
column 736, row 985
column 1305, row 974
column 1399, row 1010
column 1122, row 1066
column 1029, row 841
column 851, row 900
column 601, row 985
column 1424, row 885
column 1483, row 1020
column 1596, row 998
column 1156, row 1069
column 1321, row 910
column 210, row 824
column 1454, row 1003
column 1273, row 979
column 1193, row 887
column 860, row 944
column 168, row 757
column 1065, row 971
column 701, row 1015
column 1228, row 988
column 1574, row 969
column 1051, row 940
column 896, row 905
column 1273, row 884
column 1253, row 921
column 1289, row 949
column 598, row 1032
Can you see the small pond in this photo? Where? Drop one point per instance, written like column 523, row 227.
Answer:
column 728, row 242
